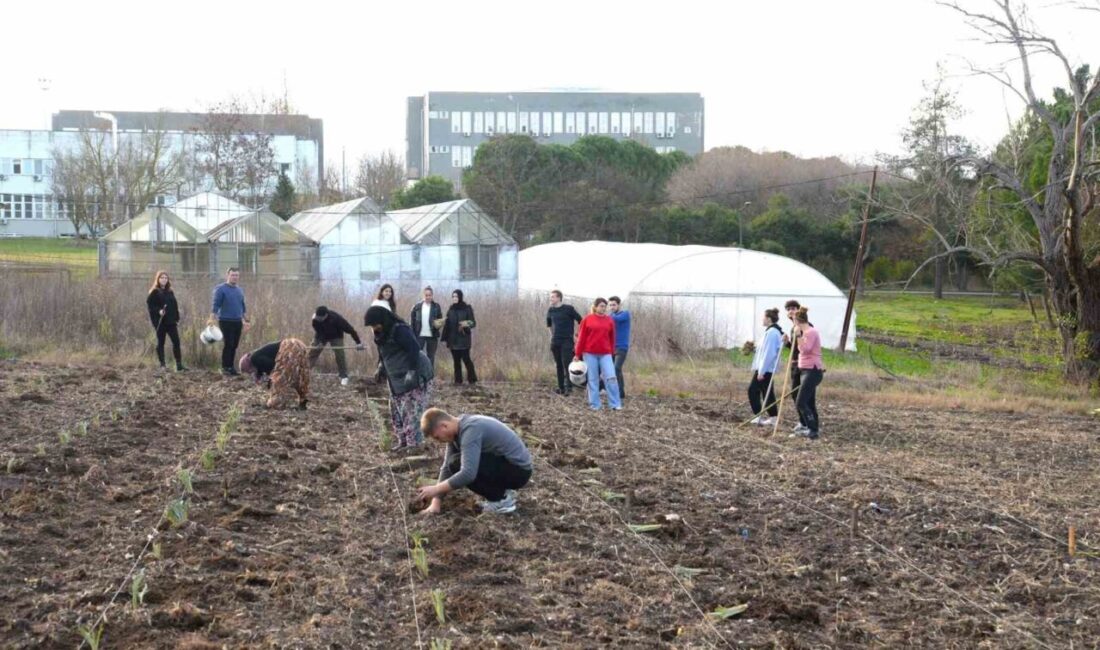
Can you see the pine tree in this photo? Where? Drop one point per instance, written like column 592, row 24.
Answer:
column 283, row 202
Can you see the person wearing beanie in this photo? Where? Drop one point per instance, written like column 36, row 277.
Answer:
column 329, row 328
column 596, row 346
column 458, row 336
column 409, row 374
column 285, row 367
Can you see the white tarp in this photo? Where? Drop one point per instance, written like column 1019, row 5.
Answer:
column 722, row 291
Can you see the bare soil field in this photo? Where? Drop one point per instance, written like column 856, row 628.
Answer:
column 897, row 528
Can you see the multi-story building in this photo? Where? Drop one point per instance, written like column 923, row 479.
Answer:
column 443, row 129
column 27, row 207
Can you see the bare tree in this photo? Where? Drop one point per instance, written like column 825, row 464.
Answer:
column 1064, row 208
column 380, row 177
column 97, row 186
column 237, row 157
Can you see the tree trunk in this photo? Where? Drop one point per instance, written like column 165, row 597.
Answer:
column 962, row 277
column 1087, row 342
column 941, row 263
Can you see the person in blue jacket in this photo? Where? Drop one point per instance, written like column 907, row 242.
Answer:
column 228, row 310
column 764, row 363
column 622, row 339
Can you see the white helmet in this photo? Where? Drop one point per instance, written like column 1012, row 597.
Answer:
column 578, row 373
column 211, row 334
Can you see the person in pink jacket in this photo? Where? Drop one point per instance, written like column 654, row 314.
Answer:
column 596, row 346
column 811, row 371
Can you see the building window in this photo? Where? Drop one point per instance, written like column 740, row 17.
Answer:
column 511, row 122
column 603, row 123
column 687, row 130
column 570, row 123
column 456, row 156
column 456, row 122
column 284, row 168
column 559, row 122
column 660, row 124
column 490, row 124
column 433, row 115
column 615, row 122
column 443, row 148
column 535, row 130
column 467, row 122
column 670, row 123
column 546, row 123
column 593, row 122
column 39, row 166
column 467, row 156
column 523, row 122
column 479, row 122
column 647, row 123
column 637, row 128
column 17, row 166
column 478, row 261
column 626, row 123
column 5, row 206
column 580, row 122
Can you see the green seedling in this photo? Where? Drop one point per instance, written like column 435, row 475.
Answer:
column 608, row 495
column 65, row 437
column 437, row 604
column 644, row 528
column 40, row 450
column 423, row 481
column 176, row 513
column 652, row 392
column 115, row 415
column 232, row 418
column 722, row 613
column 687, row 572
column 14, row 464
column 138, row 589
column 208, row 458
column 92, row 635
column 590, row 470
column 158, row 551
column 184, row 476
column 82, row 428
column 440, row 644
column 222, row 439
column 419, row 555
column 95, row 421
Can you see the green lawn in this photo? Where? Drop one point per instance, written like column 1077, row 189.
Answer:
column 48, row 251
column 964, row 320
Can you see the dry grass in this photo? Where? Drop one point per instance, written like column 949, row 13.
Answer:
column 49, row 318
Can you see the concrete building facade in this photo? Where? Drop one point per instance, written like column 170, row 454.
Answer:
column 28, row 209
column 444, row 129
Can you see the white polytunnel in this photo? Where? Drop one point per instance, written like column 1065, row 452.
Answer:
column 721, row 292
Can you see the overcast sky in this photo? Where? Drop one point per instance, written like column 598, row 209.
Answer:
column 811, row 77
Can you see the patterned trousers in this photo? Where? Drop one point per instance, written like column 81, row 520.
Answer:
column 290, row 378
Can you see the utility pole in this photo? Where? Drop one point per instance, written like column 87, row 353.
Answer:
column 857, row 268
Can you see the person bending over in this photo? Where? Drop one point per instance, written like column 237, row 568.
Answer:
column 285, row 365
column 483, row 454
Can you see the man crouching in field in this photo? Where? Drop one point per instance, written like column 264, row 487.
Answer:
column 482, row 454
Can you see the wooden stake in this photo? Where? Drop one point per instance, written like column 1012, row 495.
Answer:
column 1072, row 541
column 786, row 383
column 857, row 268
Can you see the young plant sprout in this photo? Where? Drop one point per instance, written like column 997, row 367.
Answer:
column 437, row 603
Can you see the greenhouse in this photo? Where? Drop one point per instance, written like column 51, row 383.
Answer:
column 720, row 293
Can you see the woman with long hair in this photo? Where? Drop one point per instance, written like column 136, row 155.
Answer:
column 458, row 337
column 384, row 298
column 409, row 372
column 811, row 371
column 164, row 313
column 596, row 347
column 764, row 363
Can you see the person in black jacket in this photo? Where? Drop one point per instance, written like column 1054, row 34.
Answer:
column 329, row 329
column 458, row 337
column 409, row 373
column 561, row 319
column 285, row 365
column 164, row 312
column 426, row 317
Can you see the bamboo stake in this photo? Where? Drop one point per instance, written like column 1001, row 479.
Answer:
column 786, row 383
column 1073, row 541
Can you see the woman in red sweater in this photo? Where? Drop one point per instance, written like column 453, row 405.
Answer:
column 596, row 347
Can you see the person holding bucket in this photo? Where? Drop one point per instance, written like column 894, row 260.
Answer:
column 229, row 312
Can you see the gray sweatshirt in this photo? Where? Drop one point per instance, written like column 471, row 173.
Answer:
column 477, row 435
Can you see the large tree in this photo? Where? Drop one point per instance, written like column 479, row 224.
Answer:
column 426, row 191
column 380, row 177
column 938, row 194
column 238, row 158
column 1062, row 212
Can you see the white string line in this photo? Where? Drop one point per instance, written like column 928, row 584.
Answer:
column 706, row 463
column 647, row 544
column 137, row 561
column 408, row 554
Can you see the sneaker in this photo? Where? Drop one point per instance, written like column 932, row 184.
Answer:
column 766, row 422
column 755, row 420
column 181, row 368
column 811, row 435
column 343, row 381
column 797, row 433
column 502, row 507
column 511, row 494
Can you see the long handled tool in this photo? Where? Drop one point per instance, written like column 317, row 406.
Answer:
column 786, row 382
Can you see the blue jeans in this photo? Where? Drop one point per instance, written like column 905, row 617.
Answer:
column 602, row 366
